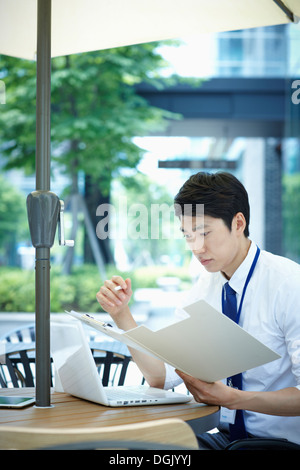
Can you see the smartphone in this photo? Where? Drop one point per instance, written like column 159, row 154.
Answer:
column 15, row 402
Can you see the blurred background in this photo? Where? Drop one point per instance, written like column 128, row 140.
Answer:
column 129, row 126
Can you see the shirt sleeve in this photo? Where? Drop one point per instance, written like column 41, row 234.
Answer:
column 172, row 379
column 289, row 322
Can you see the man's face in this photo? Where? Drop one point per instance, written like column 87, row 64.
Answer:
column 212, row 243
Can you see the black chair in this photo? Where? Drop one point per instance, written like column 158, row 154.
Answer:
column 111, row 367
column 18, row 368
column 262, row 444
column 112, row 359
column 24, row 334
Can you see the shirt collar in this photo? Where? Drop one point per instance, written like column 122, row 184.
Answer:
column 238, row 279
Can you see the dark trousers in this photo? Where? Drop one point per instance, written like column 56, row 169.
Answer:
column 214, row 441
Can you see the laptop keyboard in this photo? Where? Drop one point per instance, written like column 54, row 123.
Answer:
column 132, row 396
column 123, row 394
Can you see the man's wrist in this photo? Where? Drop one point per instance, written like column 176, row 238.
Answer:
column 124, row 320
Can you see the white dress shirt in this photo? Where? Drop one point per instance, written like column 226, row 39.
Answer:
column 271, row 313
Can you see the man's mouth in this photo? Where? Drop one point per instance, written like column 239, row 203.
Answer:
column 205, row 262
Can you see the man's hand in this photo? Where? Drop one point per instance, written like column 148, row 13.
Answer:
column 113, row 297
column 216, row 393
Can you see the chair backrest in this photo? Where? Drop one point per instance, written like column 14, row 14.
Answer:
column 112, row 358
column 17, row 369
column 167, row 432
column 262, row 443
column 112, row 367
column 23, row 334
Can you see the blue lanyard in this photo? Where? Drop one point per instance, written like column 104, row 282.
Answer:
column 246, row 284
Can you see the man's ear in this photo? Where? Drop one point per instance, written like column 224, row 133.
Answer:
column 239, row 223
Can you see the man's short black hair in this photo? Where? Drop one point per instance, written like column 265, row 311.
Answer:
column 221, row 193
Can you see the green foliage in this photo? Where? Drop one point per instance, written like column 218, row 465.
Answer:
column 16, row 290
column 76, row 291
column 95, row 110
column 147, row 276
column 17, row 116
column 150, row 208
column 12, row 211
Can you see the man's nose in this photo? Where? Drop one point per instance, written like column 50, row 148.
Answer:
column 198, row 247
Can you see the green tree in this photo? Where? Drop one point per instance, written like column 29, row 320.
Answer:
column 152, row 227
column 95, row 114
column 12, row 220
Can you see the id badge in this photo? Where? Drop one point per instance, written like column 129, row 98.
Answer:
column 227, row 416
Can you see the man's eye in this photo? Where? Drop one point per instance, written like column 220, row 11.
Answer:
column 188, row 236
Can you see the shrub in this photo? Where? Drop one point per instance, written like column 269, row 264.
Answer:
column 16, row 290
column 76, row 291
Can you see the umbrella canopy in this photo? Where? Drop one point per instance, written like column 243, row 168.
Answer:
column 41, row 29
column 81, row 26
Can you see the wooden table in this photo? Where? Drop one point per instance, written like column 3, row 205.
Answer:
column 68, row 411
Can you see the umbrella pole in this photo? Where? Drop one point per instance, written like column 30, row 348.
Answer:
column 42, row 327
column 44, row 208
column 43, row 139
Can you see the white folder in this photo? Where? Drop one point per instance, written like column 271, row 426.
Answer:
column 206, row 345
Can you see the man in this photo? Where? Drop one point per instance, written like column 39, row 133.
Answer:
column 266, row 290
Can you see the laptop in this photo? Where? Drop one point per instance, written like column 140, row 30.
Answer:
column 77, row 373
